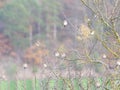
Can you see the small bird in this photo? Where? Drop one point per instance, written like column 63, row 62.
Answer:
column 57, row 54
column 65, row 23
column 25, row 65
column 104, row 56
column 45, row 65
column 92, row 32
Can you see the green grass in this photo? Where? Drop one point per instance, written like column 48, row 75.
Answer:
column 29, row 84
column 84, row 83
column 51, row 85
column 59, row 84
column 20, row 85
column 44, row 84
column 3, row 85
column 38, row 86
column 12, row 85
column 76, row 84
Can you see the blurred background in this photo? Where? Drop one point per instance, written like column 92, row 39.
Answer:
column 55, row 37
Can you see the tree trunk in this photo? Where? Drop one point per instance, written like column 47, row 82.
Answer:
column 38, row 27
column 54, row 33
column 30, row 35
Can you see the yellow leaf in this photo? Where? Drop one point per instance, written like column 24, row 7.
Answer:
column 85, row 31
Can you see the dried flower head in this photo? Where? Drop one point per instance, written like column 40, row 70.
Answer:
column 45, row 65
column 37, row 43
column 63, row 55
column 95, row 16
column 57, row 54
column 98, row 84
column 104, row 56
column 88, row 19
column 78, row 38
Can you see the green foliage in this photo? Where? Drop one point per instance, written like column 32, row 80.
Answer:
column 20, row 85
column 44, row 84
column 59, row 84
column 16, row 16
column 84, row 83
column 76, row 84
column 12, row 85
column 112, row 82
column 38, row 86
column 51, row 12
column 3, row 85
column 52, row 84
column 29, row 85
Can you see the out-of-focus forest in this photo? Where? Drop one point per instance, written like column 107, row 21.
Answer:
column 26, row 25
column 56, row 34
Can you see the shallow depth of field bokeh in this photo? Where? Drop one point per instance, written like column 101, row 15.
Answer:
column 59, row 45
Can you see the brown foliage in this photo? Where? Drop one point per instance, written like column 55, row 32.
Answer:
column 13, row 54
column 5, row 47
column 35, row 53
column 2, row 3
